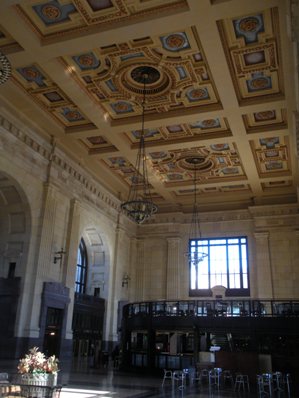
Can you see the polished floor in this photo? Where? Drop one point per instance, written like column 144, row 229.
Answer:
column 80, row 380
column 86, row 382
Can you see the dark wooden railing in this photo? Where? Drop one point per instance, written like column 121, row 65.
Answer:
column 214, row 308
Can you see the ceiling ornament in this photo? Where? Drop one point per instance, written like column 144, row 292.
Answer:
column 139, row 207
column 5, row 68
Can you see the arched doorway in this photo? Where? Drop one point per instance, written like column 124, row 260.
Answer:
column 14, row 242
column 91, row 293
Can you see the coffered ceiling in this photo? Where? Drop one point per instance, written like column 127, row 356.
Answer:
column 221, row 88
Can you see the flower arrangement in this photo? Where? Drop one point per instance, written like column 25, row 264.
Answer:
column 36, row 362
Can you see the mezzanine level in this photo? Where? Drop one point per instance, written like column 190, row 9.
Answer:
column 215, row 308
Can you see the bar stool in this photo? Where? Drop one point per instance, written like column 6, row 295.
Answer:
column 267, row 382
column 214, row 377
column 204, row 375
column 242, row 381
column 287, row 382
column 195, row 377
column 260, row 387
column 227, row 377
column 277, row 381
column 167, row 376
column 180, row 377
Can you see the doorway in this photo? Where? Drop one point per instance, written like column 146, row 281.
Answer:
column 51, row 344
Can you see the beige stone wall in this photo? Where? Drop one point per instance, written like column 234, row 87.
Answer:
column 61, row 203
column 272, row 234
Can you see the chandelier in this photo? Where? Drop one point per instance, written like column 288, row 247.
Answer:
column 194, row 255
column 5, row 68
column 139, row 206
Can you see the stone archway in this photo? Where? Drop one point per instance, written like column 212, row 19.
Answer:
column 98, row 262
column 15, row 230
column 91, row 306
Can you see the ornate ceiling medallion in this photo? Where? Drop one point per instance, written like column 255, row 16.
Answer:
column 157, row 81
column 196, row 162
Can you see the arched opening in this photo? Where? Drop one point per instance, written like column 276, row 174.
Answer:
column 91, row 294
column 14, row 242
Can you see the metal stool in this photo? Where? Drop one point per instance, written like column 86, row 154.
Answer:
column 227, row 377
column 167, row 376
column 242, row 381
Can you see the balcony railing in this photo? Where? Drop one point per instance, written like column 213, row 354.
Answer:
column 214, row 308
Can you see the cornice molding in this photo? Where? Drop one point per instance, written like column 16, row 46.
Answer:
column 64, row 172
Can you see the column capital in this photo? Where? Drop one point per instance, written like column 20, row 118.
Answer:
column 175, row 239
column 261, row 235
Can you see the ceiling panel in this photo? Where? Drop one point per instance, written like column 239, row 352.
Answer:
column 218, row 89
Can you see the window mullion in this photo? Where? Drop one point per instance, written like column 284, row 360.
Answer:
column 241, row 264
column 227, row 265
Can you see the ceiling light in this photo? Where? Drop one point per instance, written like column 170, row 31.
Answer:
column 194, row 253
column 5, row 68
column 139, row 206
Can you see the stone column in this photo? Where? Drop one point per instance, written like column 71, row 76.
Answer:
column 46, row 255
column 68, row 271
column 110, row 331
column 173, row 271
column 132, row 269
column 264, row 273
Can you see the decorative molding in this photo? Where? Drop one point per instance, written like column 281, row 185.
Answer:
column 84, row 186
column 296, row 117
column 274, row 211
column 261, row 235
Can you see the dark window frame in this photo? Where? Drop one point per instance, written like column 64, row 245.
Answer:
column 230, row 291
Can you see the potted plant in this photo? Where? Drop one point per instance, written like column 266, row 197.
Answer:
column 38, row 370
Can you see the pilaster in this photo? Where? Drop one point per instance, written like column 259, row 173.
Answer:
column 173, row 281
column 264, row 282
column 140, row 274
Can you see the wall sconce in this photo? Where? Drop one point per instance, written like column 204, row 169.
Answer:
column 125, row 280
column 59, row 256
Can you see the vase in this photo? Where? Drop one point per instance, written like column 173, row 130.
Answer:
column 35, row 384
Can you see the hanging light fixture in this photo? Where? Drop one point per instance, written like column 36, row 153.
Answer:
column 194, row 254
column 5, row 68
column 139, row 206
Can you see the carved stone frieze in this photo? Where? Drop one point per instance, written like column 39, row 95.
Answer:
column 67, row 172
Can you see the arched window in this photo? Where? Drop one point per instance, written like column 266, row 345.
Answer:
column 81, row 273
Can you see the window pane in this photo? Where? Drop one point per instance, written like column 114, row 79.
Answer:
column 231, row 241
column 244, row 258
column 217, row 241
column 193, row 277
column 203, row 282
column 245, row 281
column 234, row 258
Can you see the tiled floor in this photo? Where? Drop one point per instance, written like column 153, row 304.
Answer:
column 82, row 381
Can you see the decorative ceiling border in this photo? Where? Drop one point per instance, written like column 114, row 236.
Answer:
column 70, row 33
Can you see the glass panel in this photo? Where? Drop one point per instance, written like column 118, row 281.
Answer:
column 244, row 259
column 231, row 241
column 245, row 281
column 234, row 260
column 218, row 242
column 203, row 281
column 192, row 277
